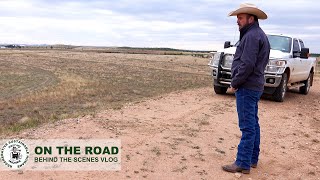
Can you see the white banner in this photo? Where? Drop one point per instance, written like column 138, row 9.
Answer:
column 61, row 154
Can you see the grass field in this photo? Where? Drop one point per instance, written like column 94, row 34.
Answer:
column 39, row 86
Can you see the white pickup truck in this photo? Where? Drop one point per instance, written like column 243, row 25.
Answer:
column 289, row 67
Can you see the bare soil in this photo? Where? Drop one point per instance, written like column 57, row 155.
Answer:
column 191, row 134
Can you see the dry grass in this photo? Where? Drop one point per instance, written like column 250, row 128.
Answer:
column 39, row 86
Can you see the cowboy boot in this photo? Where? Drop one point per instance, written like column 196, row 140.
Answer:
column 233, row 168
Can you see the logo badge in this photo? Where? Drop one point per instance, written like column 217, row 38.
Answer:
column 14, row 154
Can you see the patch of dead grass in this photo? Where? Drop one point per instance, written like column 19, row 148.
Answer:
column 52, row 85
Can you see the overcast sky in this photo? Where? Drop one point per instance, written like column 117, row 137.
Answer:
column 182, row 24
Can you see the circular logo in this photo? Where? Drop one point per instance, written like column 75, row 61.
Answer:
column 14, row 154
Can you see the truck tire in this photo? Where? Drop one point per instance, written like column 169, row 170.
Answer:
column 219, row 89
column 281, row 90
column 307, row 83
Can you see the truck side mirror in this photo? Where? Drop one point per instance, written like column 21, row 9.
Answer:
column 227, row 44
column 304, row 53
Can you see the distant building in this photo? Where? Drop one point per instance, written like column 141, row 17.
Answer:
column 12, row 46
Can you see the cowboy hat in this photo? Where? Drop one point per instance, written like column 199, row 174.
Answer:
column 247, row 8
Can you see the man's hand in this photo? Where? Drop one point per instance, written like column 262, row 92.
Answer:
column 233, row 89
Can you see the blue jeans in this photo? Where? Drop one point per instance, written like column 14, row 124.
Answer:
column 247, row 108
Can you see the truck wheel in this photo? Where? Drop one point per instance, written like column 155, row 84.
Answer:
column 281, row 90
column 219, row 89
column 307, row 83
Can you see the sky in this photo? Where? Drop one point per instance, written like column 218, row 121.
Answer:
column 181, row 24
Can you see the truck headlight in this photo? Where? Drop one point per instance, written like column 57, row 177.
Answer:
column 276, row 66
column 227, row 61
column 214, row 59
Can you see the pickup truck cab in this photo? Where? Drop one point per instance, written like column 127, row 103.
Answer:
column 289, row 67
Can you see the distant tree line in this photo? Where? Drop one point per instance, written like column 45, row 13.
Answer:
column 12, row 46
column 314, row 55
column 161, row 49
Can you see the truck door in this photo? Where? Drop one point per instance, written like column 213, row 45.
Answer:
column 305, row 64
column 295, row 61
column 298, row 67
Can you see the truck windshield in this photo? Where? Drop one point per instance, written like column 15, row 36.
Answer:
column 281, row 43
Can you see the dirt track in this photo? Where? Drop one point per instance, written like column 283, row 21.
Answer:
column 190, row 134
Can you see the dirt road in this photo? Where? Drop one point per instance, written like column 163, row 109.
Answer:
column 190, row 134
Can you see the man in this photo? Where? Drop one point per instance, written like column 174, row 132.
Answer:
column 250, row 60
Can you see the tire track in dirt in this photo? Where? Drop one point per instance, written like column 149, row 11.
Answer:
column 50, row 79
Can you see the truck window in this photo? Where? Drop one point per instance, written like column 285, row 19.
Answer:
column 301, row 43
column 296, row 47
column 281, row 43
column 237, row 44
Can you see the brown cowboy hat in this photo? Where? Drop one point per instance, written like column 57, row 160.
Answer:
column 247, row 8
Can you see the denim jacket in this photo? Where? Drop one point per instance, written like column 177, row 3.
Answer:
column 250, row 59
